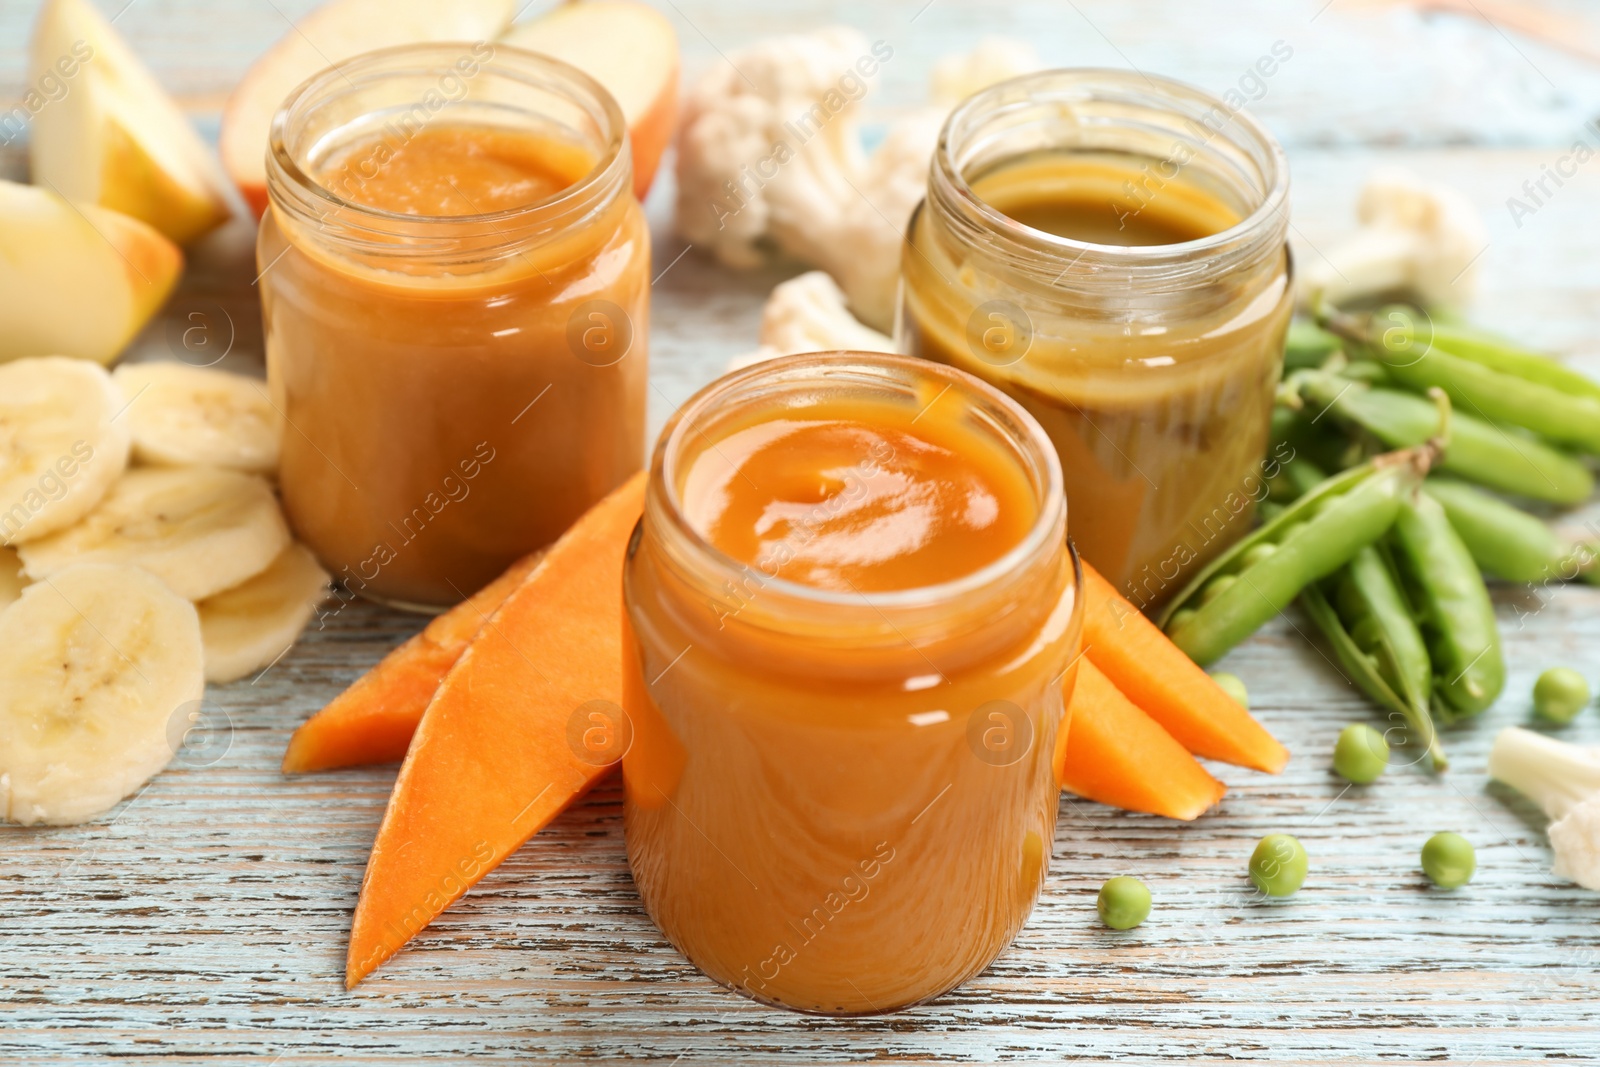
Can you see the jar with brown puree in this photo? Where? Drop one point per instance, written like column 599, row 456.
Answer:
column 852, row 615
column 1110, row 250
column 455, row 290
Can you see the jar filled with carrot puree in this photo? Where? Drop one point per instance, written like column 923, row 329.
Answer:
column 853, row 610
column 1110, row 249
column 455, row 287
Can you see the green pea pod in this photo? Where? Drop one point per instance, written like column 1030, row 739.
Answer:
column 1307, row 345
column 1368, row 624
column 1506, row 541
column 1313, row 537
column 1490, row 455
column 1303, row 475
column 1452, row 605
column 1323, row 442
column 1497, row 353
column 1495, row 396
column 1402, row 332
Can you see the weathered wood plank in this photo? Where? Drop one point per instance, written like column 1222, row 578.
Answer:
column 206, row 918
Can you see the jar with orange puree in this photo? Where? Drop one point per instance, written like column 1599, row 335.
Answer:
column 455, row 289
column 1110, row 250
column 853, row 610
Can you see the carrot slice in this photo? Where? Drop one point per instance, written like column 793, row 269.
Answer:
column 373, row 720
column 491, row 763
column 1169, row 686
column 1116, row 754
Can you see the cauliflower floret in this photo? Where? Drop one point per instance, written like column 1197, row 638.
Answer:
column 778, row 160
column 808, row 314
column 776, row 122
column 1564, row 780
column 994, row 60
column 897, row 176
column 1575, row 838
column 1415, row 236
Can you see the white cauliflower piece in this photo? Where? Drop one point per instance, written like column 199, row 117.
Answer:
column 1575, row 837
column 769, row 144
column 808, row 314
column 778, row 160
column 897, row 176
column 1415, row 236
column 1564, row 780
column 994, row 60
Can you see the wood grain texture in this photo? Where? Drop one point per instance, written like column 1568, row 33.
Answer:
column 205, row 919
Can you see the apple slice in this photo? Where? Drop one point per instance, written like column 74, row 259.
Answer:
column 116, row 138
column 76, row 280
column 629, row 48
column 336, row 31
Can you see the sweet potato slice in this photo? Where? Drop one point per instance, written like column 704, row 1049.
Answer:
column 1116, row 754
column 1167, row 685
column 491, row 763
column 373, row 720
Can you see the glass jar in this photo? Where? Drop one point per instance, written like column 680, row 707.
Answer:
column 458, row 387
column 1132, row 296
column 843, row 802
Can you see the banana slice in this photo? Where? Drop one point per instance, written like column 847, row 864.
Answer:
column 94, row 663
column 183, row 416
column 11, row 580
column 60, row 449
column 247, row 627
column 199, row 529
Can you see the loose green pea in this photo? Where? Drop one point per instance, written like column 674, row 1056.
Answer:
column 1559, row 694
column 1233, row 685
column 1449, row 860
column 1123, row 903
column 1360, row 754
column 1278, row 865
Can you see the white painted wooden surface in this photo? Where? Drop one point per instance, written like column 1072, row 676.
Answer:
column 206, row 918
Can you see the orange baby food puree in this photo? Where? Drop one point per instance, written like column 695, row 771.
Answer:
column 460, row 387
column 851, row 607
column 939, row 501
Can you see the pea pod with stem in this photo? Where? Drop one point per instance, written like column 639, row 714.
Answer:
column 1481, row 346
column 1498, row 457
column 1308, row 540
column 1506, row 541
column 1368, row 624
column 1452, row 605
column 1415, row 358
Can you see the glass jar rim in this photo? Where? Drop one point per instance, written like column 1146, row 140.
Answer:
column 948, row 183
column 1034, row 446
column 289, row 180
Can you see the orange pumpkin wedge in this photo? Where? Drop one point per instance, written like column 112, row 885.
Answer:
column 373, row 720
column 1114, row 753
column 1167, row 685
column 491, row 763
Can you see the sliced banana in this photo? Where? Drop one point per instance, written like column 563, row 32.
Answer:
column 61, row 443
column 96, row 663
column 199, row 529
column 183, row 416
column 12, row 581
column 247, row 627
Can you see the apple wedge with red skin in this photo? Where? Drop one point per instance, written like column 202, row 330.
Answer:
column 336, row 31
column 627, row 46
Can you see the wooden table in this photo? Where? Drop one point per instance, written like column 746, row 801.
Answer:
column 206, row 918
